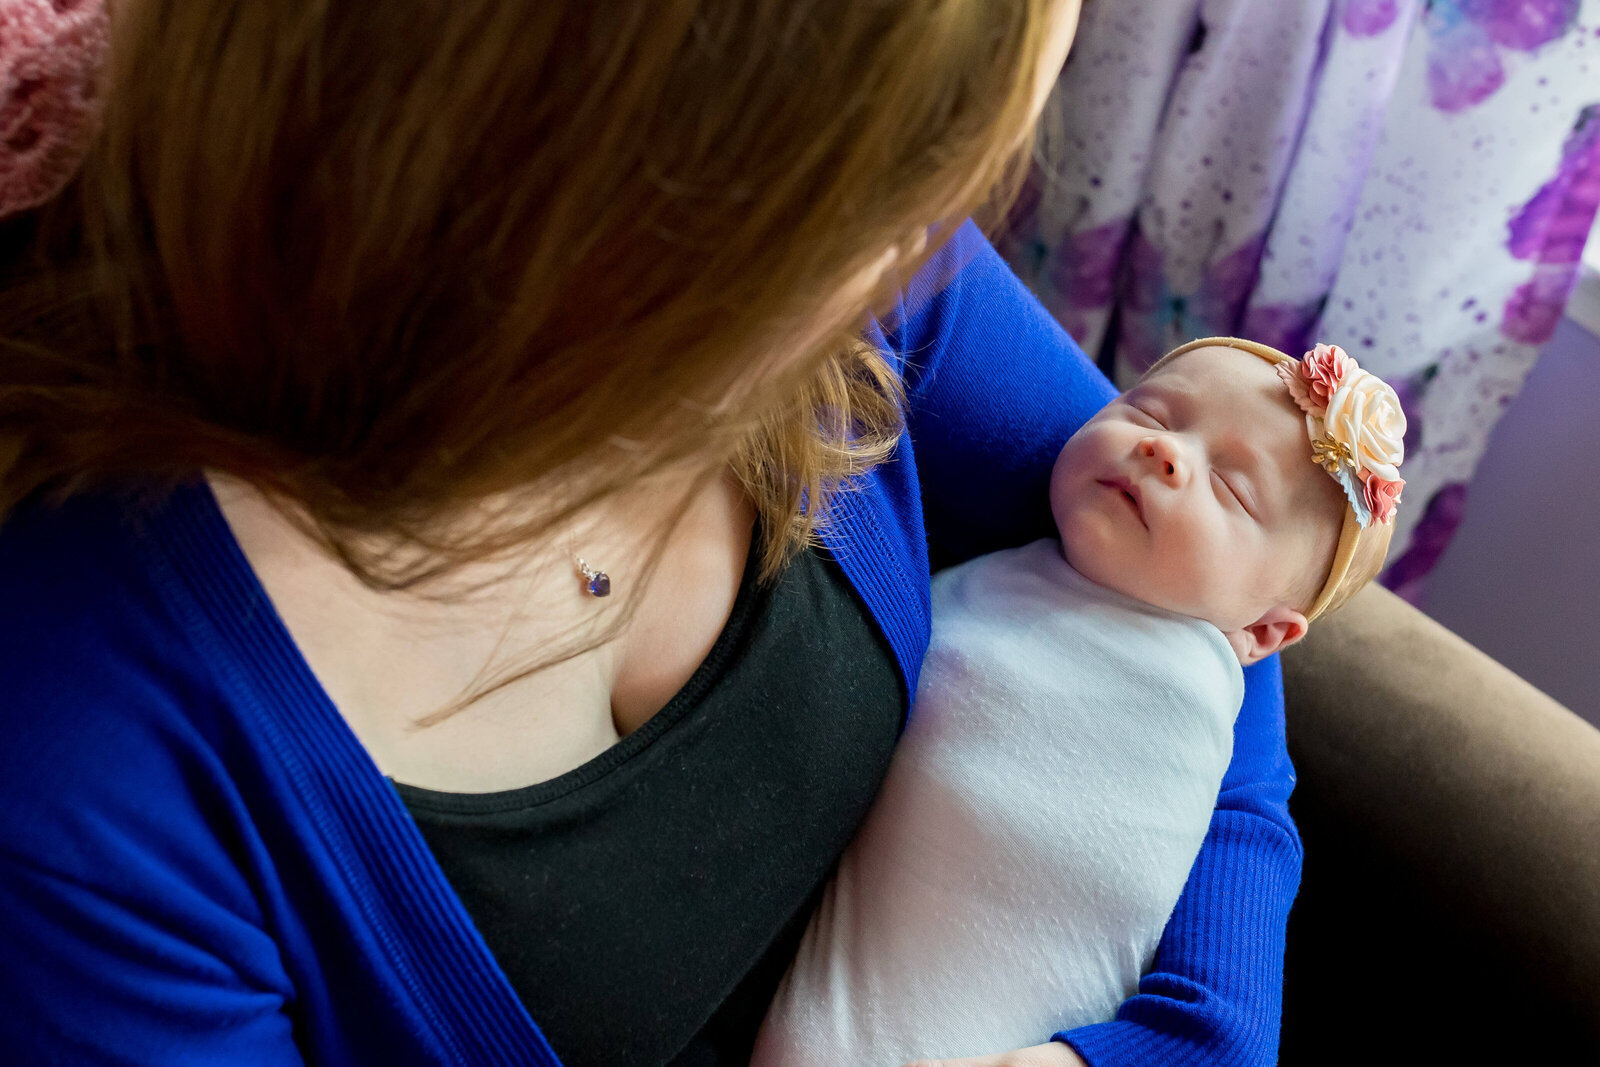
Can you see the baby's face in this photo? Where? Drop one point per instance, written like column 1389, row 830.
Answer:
column 1196, row 492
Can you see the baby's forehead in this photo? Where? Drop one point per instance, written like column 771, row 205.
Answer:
column 1219, row 377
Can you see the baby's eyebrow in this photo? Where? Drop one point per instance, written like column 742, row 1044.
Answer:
column 1162, row 389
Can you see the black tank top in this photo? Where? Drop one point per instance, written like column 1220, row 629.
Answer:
column 646, row 904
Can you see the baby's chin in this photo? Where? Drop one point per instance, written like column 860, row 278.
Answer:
column 1088, row 556
column 1086, row 551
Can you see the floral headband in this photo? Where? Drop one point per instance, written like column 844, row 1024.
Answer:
column 1356, row 426
column 1357, row 430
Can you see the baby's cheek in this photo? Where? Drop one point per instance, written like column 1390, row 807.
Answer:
column 1209, row 575
column 1252, row 582
column 1062, row 492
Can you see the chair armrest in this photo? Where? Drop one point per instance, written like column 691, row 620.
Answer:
column 1478, row 789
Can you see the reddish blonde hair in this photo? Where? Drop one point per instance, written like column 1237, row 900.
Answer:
column 390, row 260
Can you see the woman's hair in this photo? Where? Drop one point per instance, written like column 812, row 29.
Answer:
column 388, row 261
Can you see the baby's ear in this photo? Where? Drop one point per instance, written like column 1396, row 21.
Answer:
column 1279, row 628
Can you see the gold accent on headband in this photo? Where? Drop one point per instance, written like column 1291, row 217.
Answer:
column 1329, row 454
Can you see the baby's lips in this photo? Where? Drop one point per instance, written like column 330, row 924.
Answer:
column 1130, row 491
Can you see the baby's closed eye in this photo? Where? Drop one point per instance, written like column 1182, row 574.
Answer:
column 1234, row 492
column 1147, row 414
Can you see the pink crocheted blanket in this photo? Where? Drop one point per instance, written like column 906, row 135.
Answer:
column 51, row 55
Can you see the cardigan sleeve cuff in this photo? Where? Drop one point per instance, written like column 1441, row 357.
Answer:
column 1128, row 1044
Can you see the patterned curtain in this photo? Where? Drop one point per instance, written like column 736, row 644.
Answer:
column 1411, row 180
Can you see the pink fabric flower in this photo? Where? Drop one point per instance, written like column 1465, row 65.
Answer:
column 1382, row 495
column 1324, row 367
column 1356, row 425
column 51, row 54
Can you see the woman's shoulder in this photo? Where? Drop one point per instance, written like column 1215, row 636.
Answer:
column 79, row 594
column 131, row 848
column 104, row 690
column 124, row 803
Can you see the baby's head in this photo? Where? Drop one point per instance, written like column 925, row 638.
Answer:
column 1236, row 485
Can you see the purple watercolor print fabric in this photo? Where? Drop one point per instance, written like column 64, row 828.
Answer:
column 1549, row 232
column 1469, row 42
column 1410, row 179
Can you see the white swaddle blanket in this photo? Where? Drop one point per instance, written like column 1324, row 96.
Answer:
column 1037, row 824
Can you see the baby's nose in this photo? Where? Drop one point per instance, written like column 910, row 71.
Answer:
column 1163, row 452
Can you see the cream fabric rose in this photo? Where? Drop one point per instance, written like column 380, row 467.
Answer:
column 1364, row 415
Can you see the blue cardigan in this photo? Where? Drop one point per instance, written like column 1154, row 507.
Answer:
column 201, row 865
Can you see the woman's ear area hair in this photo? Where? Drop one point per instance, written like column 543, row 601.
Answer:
column 1278, row 628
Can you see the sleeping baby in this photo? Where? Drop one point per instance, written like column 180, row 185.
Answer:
column 1075, row 711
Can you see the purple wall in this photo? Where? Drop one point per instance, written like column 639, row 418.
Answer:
column 1521, row 580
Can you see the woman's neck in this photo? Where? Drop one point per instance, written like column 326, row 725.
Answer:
column 391, row 662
